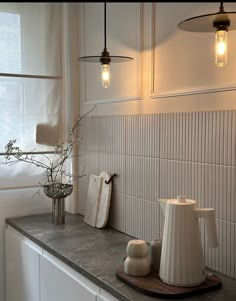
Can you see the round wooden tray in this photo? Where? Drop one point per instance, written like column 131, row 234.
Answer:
column 153, row 286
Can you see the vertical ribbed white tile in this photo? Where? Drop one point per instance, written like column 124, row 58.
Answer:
column 234, row 138
column 198, row 159
column 183, row 136
column 210, row 191
column 93, row 163
column 201, row 182
column 193, row 137
column 225, row 246
column 188, row 137
column 228, row 248
column 233, row 195
column 142, row 177
column 168, row 173
column 219, row 251
column 233, row 250
column 112, row 134
column 199, row 135
column 168, row 136
column 134, row 216
column 132, row 135
column 175, row 136
column 150, row 227
column 82, row 191
column 213, row 134
column 154, row 135
column 151, row 179
column 116, row 130
column 228, row 150
column 83, row 134
column 225, row 138
column 217, row 140
column 197, row 141
column 117, row 213
column 83, row 170
column 162, row 135
column 105, row 134
column 142, row 135
column 220, row 190
column 180, row 136
column 179, row 177
column 207, row 158
column 92, row 131
column 114, row 163
column 220, row 137
column 221, row 140
column 133, row 166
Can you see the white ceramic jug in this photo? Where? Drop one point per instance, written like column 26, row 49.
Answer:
column 182, row 261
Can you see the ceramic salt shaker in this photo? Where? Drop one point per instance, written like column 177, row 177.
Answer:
column 155, row 255
column 137, row 262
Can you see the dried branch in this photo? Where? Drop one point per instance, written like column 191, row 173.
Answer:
column 52, row 169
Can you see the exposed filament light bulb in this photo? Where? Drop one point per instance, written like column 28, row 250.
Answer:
column 105, row 75
column 221, row 48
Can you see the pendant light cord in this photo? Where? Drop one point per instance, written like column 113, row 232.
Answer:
column 221, row 7
column 105, row 25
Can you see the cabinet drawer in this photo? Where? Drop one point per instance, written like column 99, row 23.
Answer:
column 56, row 285
column 22, row 269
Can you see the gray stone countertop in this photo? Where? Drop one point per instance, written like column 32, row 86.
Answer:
column 96, row 254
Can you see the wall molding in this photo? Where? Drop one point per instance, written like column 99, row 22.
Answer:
column 112, row 100
column 136, row 97
column 193, row 91
column 156, row 92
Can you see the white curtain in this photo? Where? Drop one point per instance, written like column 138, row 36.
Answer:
column 31, row 90
column 30, row 83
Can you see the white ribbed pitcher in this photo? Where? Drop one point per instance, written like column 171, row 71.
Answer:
column 182, row 261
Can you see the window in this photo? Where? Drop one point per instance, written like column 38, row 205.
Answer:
column 30, row 82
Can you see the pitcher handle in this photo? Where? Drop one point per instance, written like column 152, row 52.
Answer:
column 209, row 215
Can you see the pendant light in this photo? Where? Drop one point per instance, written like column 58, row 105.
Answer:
column 105, row 58
column 219, row 22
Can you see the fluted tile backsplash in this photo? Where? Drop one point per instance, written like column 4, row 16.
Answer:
column 162, row 156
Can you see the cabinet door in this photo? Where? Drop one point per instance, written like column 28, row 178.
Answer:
column 22, row 268
column 57, row 284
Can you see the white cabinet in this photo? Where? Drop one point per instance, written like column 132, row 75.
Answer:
column 100, row 298
column 60, row 283
column 22, row 268
column 33, row 274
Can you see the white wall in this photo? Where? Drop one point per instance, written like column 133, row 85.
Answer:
column 172, row 71
column 174, row 129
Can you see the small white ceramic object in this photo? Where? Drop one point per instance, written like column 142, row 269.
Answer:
column 137, row 248
column 137, row 263
column 182, row 261
column 137, row 266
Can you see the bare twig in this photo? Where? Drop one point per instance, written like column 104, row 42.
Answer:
column 53, row 169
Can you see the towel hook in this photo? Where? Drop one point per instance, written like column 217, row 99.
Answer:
column 107, row 182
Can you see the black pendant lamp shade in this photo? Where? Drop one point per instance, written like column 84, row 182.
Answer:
column 210, row 22
column 219, row 22
column 105, row 57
